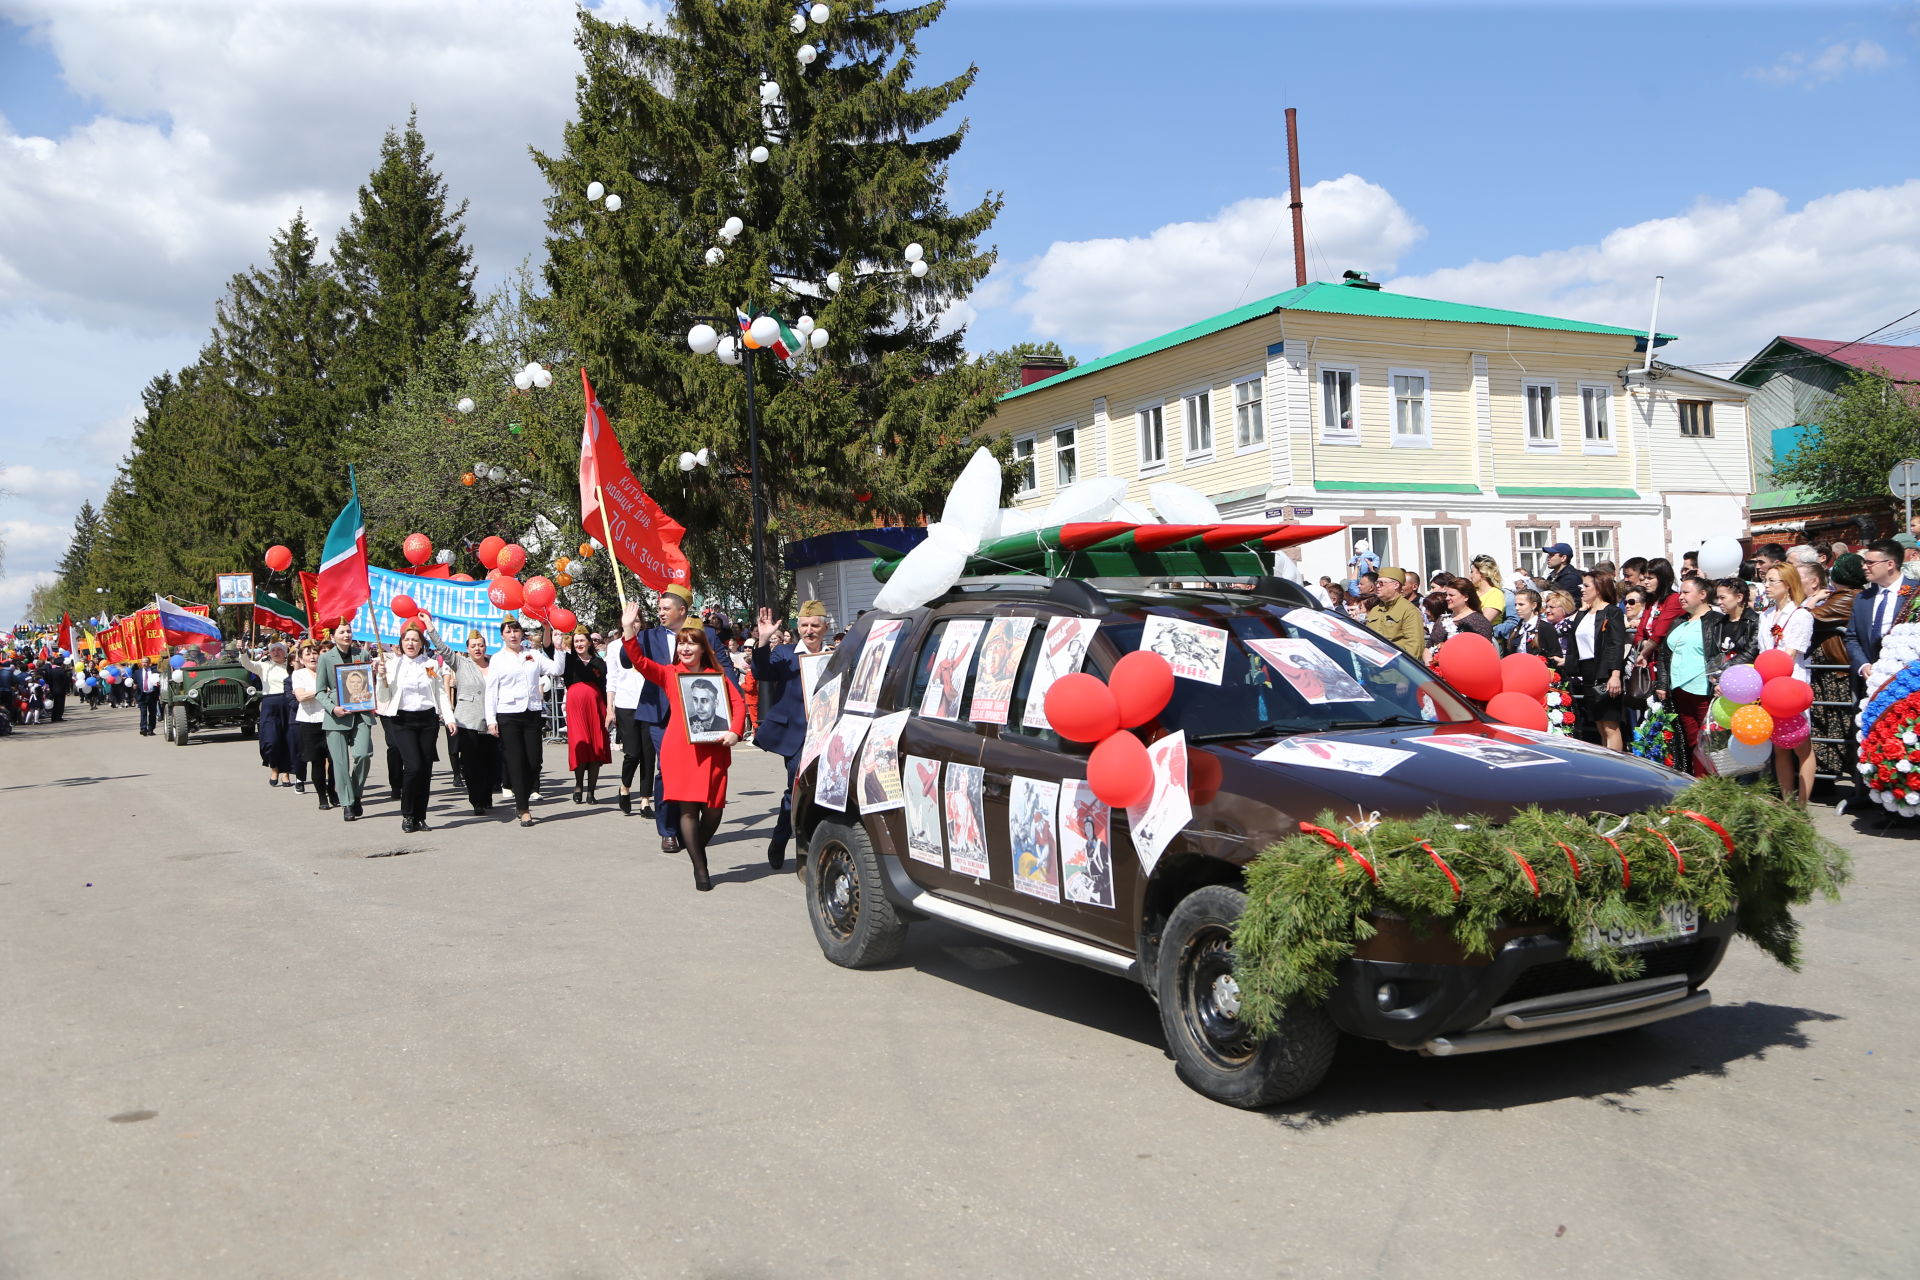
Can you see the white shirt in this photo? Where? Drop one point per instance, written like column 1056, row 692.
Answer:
column 624, row 684
column 513, row 683
column 306, row 706
column 411, row 684
column 1796, row 634
column 1883, row 606
column 1583, row 633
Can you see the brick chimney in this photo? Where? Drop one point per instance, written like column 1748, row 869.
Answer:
column 1037, row 368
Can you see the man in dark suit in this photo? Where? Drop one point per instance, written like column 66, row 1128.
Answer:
column 146, row 689
column 783, row 705
column 1874, row 608
column 658, row 643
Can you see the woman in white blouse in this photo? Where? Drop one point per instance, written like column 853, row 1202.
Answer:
column 514, row 711
column 1786, row 623
column 309, row 727
column 411, row 700
column 275, row 727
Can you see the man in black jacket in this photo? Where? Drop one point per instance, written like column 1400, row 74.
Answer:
column 1561, row 575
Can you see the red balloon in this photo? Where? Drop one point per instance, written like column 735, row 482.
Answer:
column 404, row 607
column 278, row 558
column 461, row 577
column 511, row 559
column 539, row 591
column 1786, row 697
column 1525, row 673
column 489, row 550
column 1142, row 684
column 1120, row 771
column 1519, row 710
column 534, row 613
column 1082, row 708
column 417, row 548
column 505, row 593
column 1774, row 664
column 1470, row 664
column 562, row 618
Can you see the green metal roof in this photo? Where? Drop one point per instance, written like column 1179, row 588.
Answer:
column 1335, row 299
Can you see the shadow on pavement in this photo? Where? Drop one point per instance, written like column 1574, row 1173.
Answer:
column 73, row 782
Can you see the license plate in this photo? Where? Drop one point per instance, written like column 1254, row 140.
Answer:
column 1677, row 920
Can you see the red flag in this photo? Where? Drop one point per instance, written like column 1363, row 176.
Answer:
column 310, row 600
column 644, row 537
column 65, row 638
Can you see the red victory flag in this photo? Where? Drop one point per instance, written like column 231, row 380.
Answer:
column 65, row 639
column 320, row 627
column 644, row 537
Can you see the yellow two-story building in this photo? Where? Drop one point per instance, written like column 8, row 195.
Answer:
column 1434, row 430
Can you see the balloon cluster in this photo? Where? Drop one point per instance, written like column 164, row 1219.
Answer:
column 597, row 191
column 533, row 375
column 1084, row 708
column 1514, row 688
column 1764, row 702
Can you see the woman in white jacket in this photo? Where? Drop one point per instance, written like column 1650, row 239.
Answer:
column 410, row 697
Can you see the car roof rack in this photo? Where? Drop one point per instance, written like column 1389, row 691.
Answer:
column 1091, row 596
column 1118, row 549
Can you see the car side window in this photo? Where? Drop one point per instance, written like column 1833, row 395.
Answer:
column 1012, row 730
column 923, row 669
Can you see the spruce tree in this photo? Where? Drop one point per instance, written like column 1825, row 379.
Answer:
column 884, row 415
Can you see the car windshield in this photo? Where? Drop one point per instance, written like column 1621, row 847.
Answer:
column 1283, row 670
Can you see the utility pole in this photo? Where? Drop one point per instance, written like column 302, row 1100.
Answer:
column 1293, row 175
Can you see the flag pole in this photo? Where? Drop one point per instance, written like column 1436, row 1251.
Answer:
column 613, row 557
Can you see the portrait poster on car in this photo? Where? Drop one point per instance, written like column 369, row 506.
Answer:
column 234, row 588
column 1153, row 825
column 948, row 677
column 353, row 687
column 1086, row 845
column 1313, row 675
column 1031, row 805
column 703, row 701
column 1194, row 650
column 1488, row 751
column 868, row 674
column 835, row 777
column 920, row 779
column 880, row 765
column 812, row 667
column 966, row 820
column 1062, row 649
column 823, row 708
column 1341, row 757
column 1000, row 655
column 1343, row 633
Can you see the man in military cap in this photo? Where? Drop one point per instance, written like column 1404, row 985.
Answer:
column 783, row 703
column 659, row 643
column 1392, row 618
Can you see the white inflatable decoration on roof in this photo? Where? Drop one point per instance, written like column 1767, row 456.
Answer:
column 1132, row 513
column 1088, row 500
column 973, row 506
column 1177, row 504
column 1011, row 520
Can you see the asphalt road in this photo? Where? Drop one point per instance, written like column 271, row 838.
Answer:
column 239, row 1037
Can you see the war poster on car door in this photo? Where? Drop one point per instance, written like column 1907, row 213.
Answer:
column 920, row 781
column 823, row 705
column 864, row 692
column 1154, row 824
column 835, row 778
column 1036, row 849
column 1194, row 650
column 1000, row 655
column 966, row 820
column 880, row 765
column 1086, row 845
column 1314, row 676
column 1062, row 651
column 1343, row 633
column 948, row 678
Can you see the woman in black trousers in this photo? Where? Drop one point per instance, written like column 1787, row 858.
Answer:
column 1599, row 651
column 310, row 734
column 516, row 712
column 479, row 758
column 411, row 697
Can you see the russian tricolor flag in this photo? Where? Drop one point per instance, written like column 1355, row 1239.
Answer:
column 181, row 627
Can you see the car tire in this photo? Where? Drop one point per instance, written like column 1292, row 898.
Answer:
column 1199, row 1004
column 248, row 730
column 853, row 921
column 166, row 726
column 177, row 730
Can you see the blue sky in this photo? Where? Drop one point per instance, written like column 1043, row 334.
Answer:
column 1548, row 157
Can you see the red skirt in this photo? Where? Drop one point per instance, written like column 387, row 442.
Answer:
column 586, row 727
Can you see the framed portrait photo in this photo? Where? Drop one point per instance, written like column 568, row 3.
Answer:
column 703, row 703
column 353, row 687
column 234, row 588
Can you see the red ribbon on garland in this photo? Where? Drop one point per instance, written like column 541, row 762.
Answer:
column 1441, row 863
column 1626, row 872
column 1572, row 860
column 1709, row 824
column 1337, row 843
column 1672, row 848
column 1527, row 867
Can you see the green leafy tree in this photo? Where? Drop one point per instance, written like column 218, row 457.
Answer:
column 882, row 416
column 1006, row 362
column 1871, row 423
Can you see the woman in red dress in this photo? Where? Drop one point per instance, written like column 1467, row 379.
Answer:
column 585, row 674
column 693, row 774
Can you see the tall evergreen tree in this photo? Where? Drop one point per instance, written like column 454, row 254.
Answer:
column 403, row 262
column 78, row 570
column 886, row 413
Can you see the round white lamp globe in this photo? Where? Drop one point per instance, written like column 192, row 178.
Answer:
column 523, row 380
column 803, row 326
column 769, row 92
column 702, row 339
column 806, row 53
column 686, row 462
column 729, row 351
column 797, row 24
column 818, row 338
column 732, row 227
column 715, row 255
column 915, row 252
column 765, row 330
column 613, row 204
column 919, row 268
column 701, row 457
column 544, row 378
column 819, row 13
column 833, row 282
column 595, row 190
column 759, row 155
column 465, row 405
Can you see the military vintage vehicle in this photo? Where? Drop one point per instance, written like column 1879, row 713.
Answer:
column 209, row 693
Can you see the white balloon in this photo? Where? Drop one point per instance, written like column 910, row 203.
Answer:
column 1178, row 504
column 769, row 92
column 797, row 24
column 715, row 256
column 702, row 339
column 1745, row 754
column 833, row 282
column 732, row 227
column 702, row 457
column 544, row 378
column 806, row 53
column 915, row 252
column 803, row 326
column 818, row 338
column 523, row 380
column 728, row 351
column 819, row 13
column 595, row 190
column 918, row 269
column 1133, row 513
column 1087, row 500
column 686, row 462
column 759, row 155
column 764, row 330
column 1720, row 557
column 613, row 204
column 465, row 405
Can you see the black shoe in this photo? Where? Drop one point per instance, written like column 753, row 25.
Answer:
column 299, row 788
column 526, row 819
column 358, row 810
column 776, row 856
column 325, row 804
column 420, row 824
column 273, row 782
column 626, row 804
column 406, row 826
column 481, row 810
column 347, row 814
column 579, row 794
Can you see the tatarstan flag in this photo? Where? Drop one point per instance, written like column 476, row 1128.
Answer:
column 343, row 585
column 786, row 346
column 275, row 614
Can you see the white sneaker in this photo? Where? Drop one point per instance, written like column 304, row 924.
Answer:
column 533, row 795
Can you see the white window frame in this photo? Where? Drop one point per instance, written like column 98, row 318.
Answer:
column 1538, row 555
column 1071, row 430
column 1029, row 482
column 1584, row 556
column 1187, row 419
column 1459, row 550
column 1680, row 420
column 1424, row 440
column 1140, row 411
column 1552, row 387
column 1261, row 416
column 1606, row 447
column 1330, row 433
column 1357, row 531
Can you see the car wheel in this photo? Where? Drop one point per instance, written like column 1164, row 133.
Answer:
column 166, row 726
column 247, row 730
column 178, row 727
column 1200, row 1007
column 852, row 919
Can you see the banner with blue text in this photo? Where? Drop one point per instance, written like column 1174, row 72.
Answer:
column 455, row 607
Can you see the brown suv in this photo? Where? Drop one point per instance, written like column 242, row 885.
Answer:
column 1006, row 790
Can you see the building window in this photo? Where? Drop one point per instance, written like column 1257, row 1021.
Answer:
column 1594, row 546
column 1440, row 550
column 1530, row 550
column 1029, row 471
column 1379, row 540
column 1696, row 418
column 1596, row 419
column 1336, row 402
column 1066, row 456
column 1543, row 432
column 1153, row 437
column 1249, row 426
column 1412, row 424
column 1198, row 412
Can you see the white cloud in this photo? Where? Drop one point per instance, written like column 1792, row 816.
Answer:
column 57, row 491
column 1842, row 57
column 15, row 591
column 1111, row 292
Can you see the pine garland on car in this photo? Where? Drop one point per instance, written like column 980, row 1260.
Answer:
column 1720, row 845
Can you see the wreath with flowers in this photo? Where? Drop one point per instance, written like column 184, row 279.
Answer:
column 1559, row 706
column 1889, row 754
column 1658, row 737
